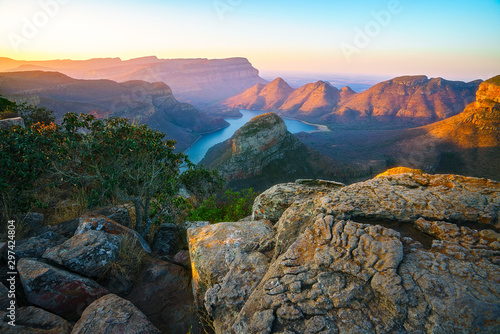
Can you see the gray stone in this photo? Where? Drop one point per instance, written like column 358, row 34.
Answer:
column 112, row 314
column 56, row 290
column 34, row 247
column 87, row 254
column 10, row 122
column 33, row 320
column 167, row 240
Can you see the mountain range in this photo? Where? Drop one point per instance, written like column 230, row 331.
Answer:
column 410, row 100
column 467, row 143
column 144, row 102
column 197, row 81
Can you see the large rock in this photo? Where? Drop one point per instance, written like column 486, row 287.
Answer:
column 35, row 246
column 408, row 196
column 94, row 221
column 273, row 202
column 56, row 290
column 164, row 292
column 213, row 248
column 112, row 314
column 32, row 320
column 167, row 240
column 8, row 123
column 401, row 253
column 118, row 214
column 87, row 254
column 263, row 152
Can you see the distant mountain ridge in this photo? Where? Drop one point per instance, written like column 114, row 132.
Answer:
column 144, row 102
column 193, row 80
column 415, row 99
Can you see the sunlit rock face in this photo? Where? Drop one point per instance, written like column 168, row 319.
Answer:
column 403, row 252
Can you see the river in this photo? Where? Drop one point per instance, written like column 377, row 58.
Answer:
column 198, row 150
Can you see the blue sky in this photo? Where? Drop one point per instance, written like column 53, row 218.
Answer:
column 451, row 39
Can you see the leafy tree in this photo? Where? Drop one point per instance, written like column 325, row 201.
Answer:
column 7, row 108
column 201, row 182
column 26, row 155
column 130, row 162
column 30, row 114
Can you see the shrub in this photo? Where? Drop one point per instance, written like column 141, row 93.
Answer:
column 227, row 206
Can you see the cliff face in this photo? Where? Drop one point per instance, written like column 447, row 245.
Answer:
column 192, row 80
column 150, row 103
column 411, row 99
column 403, row 252
column 263, row 151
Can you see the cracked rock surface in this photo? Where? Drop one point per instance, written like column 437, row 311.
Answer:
column 336, row 266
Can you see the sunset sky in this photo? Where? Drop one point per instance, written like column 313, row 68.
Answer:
column 451, row 39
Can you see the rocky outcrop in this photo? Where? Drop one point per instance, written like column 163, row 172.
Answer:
column 167, row 240
column 87, row 254
column 273, row 202
column 403, row 252
column 97, row 222
column 34, row 247
column 8, row 123
column 263, row 152
column 488, row 93
column 112, row 314
column 33, row 320
column 56, row 290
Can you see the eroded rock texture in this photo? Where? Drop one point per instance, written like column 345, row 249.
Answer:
column 401, row 253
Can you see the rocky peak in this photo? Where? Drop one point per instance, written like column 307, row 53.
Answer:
column 259, row 134
column 488, row 94
column 410, row 80
column 262, row 152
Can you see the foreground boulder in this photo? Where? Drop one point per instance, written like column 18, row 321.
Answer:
column 404, row 252
column 273, row 202
column 56, row 290
column 34, row 320
column 8, row 123
column 87, row 254
column 112, row 314
column 164, row 294
column 213, row 249
column 94, row 221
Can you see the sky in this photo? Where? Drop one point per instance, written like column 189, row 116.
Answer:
column 452, row 39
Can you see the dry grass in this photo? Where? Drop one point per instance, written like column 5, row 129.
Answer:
column 131, row 259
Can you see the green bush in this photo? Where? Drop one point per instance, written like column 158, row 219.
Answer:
column 228, row 206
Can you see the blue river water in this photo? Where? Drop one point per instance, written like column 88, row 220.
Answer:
column 198, row 150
